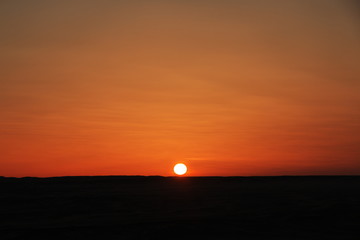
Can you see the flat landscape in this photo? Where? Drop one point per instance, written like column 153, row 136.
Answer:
column 138, row 207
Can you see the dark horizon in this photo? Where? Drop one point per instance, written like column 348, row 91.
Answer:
column 154, row 207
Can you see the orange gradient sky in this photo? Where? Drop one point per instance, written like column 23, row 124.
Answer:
column 132, row 87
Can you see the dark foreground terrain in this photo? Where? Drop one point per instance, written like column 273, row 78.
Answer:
column 180, row 208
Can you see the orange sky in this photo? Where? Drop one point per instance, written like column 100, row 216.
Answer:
column 132, row 87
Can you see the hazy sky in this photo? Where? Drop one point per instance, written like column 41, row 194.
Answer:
column 229, row 87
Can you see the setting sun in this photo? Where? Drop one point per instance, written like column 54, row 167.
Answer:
column 180, row 169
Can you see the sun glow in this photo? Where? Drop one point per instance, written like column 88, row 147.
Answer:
column 180, row 169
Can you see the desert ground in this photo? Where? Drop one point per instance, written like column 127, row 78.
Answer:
column 154, row 207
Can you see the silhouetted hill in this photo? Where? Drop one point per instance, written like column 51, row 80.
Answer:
column 138, row 207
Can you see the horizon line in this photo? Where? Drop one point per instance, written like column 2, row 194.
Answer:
column 210, row 176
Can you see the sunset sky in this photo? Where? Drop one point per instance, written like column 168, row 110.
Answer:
column 228, row 87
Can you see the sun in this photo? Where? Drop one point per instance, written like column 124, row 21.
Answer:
column 180, row 169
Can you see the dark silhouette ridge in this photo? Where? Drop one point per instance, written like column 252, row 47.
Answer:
column 142, row 207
